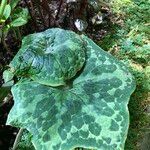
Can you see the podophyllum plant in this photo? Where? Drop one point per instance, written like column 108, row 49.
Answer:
column 70, row 93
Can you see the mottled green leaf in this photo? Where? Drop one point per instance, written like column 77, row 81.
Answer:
column 91, row 112
column 50, row 57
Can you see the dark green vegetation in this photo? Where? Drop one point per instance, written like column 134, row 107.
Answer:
column 11, row 17
column 130, row 42
column 70, row 93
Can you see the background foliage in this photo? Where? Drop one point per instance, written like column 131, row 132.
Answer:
column 129, row 41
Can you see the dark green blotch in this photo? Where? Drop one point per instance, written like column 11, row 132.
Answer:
column 97, row 71
column 115, row 82
column 91, row 87
column 84, row 134
column 100, row 142
column 102, row 58
column 46, row 137
column 62, row 133
column 41, row 107
column 88, row 119
column 95, row 128
column 108, row 112
column 118, row 118
column 105, row 87
column 26, row 102
column 40, row 121
column 103, row 94
column 103, row 82
column 123, row 97
column 78, row 123
column 118, row 93
column 66, row 118
column 68, row 127
column 75, row 134
column 117, row 106
column 91, row 142
column 82, row 141
column 63, row 56
column 114, row 146
column 45, row 125
column 110, row 68
column 52, row 121
column 124, row 123
column 56, row 147
column 52, row 112
column 74, row 107
column 102, row 104
column 129, row 80
column 107, row 140
column 93, row 60
column 114, row 126
column 48, row 123
column 109, row 98
column 119, row 138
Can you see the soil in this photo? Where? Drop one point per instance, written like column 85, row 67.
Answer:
column 41, row 20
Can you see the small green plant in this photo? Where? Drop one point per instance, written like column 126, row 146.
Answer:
column 70, row 93
column 10, row 18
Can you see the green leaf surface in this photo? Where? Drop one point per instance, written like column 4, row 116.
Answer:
column 13, row 3
column 7, row 12
column 91, row 113
column 51, row 57
column 20, row 12
column 2, row 7
column 8, row 75
column 20, row 17
column 18, row 22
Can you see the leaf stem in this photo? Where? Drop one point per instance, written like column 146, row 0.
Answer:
column 19, row 135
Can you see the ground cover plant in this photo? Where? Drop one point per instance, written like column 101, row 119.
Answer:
column 69, row 93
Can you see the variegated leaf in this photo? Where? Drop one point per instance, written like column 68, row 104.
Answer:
column 91, row 112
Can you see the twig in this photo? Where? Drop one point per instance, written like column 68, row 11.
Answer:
column 19, row 135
